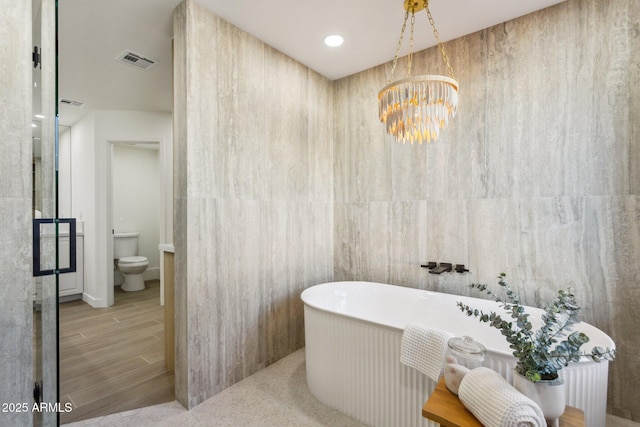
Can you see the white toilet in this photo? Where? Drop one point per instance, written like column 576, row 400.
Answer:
column 125, row 252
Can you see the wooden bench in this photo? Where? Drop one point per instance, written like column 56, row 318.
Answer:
column 445, row 408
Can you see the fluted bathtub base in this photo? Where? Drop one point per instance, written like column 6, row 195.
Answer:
column 354, row 366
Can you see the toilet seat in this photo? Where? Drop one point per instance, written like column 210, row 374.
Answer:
column 132, row 260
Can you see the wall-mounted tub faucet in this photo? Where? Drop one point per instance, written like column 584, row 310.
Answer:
column 444, row 267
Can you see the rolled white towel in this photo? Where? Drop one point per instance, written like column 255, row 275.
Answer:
column 424, row 348
column 495, row 403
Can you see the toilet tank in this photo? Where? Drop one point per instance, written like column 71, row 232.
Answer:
column 125, row 244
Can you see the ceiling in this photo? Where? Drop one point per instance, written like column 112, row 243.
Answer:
column 93, row 32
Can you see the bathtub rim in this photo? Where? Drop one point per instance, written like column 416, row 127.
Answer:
column 497, row 352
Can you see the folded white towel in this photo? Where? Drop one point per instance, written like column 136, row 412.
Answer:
column 424, row 348
column 495, row 403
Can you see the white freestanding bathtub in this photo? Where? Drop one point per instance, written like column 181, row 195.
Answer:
column 353, row 333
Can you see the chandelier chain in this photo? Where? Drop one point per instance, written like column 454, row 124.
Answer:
column 410, row 58
column 395, row 58
column 440, row 45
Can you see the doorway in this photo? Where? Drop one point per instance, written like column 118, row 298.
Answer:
column 106, row 104
column 134, row 175
column 112, row 359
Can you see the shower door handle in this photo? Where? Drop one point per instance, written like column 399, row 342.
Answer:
column 39, row 238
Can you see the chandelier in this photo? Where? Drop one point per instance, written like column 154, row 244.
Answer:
column 415, row 108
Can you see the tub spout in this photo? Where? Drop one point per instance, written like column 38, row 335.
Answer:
column 444, row 267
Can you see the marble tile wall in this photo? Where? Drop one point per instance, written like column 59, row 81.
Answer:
column 15, row 200
column 253, row 162
column 538, row 175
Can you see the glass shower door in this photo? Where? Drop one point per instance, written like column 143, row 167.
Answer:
column 47, row 227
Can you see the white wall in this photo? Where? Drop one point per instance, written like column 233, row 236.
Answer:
column 64, row 172
column 83, row 203
column 92, row 138
column 136, row 198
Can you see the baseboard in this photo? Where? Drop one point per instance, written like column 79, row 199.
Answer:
column 93, row 302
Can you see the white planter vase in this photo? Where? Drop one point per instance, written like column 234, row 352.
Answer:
column 548, row 395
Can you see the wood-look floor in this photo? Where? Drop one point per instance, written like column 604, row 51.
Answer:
column 112, row 359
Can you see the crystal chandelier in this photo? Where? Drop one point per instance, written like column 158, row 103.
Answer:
column 416, row 108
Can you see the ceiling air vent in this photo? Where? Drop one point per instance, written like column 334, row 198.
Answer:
column 135, row 59
column 76, row 104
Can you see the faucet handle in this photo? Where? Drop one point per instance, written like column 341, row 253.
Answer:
column 460, row 268
column 430, row 265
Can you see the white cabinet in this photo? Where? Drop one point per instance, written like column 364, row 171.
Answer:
column 72, row 283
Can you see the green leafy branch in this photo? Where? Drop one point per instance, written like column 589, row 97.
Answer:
column 541, row 354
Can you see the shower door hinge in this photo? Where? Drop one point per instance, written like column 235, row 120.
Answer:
column 35, row 56
column 37, row 392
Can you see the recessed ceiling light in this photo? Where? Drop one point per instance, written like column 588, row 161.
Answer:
column 334, row 40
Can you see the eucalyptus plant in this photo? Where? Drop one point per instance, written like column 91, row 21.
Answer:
column 542, row 353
